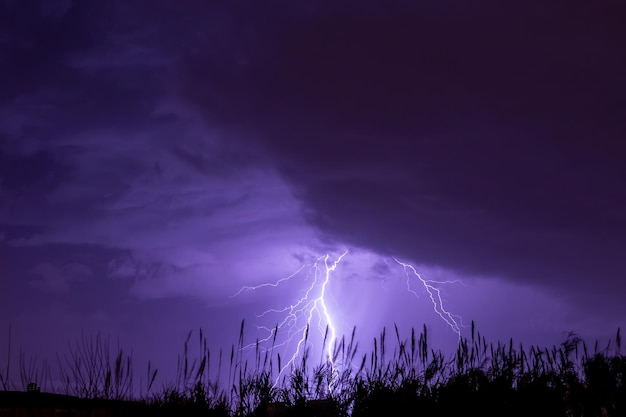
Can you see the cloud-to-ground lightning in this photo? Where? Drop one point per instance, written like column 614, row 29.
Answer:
column 311, row 308
column 433, row 288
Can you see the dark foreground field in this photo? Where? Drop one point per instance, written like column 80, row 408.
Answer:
column 481, row 378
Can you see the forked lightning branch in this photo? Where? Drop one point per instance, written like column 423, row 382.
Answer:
column 310, row 310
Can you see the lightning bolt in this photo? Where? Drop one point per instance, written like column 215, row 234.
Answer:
column 311, row 308
column 433, row 289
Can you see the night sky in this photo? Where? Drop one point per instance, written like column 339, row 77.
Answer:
column 157, row 156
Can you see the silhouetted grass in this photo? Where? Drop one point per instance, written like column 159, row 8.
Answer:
column 402, row 378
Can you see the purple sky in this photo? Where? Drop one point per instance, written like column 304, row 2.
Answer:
column 157, row 156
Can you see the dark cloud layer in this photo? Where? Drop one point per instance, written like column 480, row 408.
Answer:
column 487, row 138
column 157, row 156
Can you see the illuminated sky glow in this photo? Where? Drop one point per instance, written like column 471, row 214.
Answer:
column 184, row 165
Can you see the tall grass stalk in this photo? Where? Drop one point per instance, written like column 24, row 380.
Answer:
column 404, row 373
